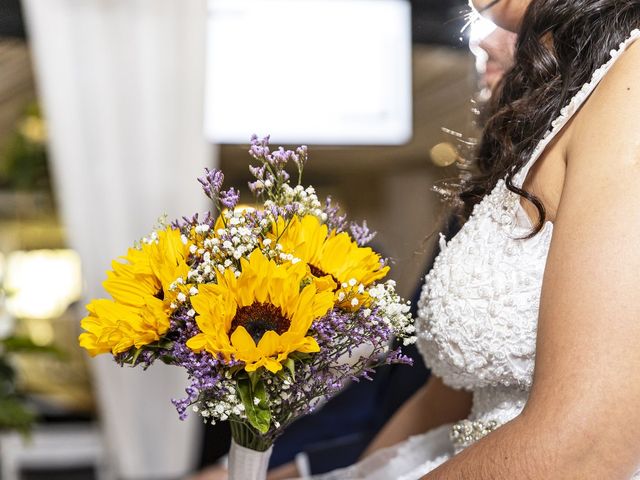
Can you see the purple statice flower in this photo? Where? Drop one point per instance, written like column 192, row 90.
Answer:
column 300, row 157
column 254, row 218
column 203, row 369
column 283, row 176
column 291, row 209
column 279, row 158
column 229, row 198
column 263, row 178
column 397, row 357
column 183, row 224
column 212, row 183
column 273, row 210
column 259, row 147
column 186, row 223
column 257, row 172
column 335, row 221
column 272, row 172
column 361, row 233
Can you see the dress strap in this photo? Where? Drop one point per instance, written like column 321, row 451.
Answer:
column 572, row 107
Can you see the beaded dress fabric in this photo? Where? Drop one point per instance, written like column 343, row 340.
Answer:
column 477, row 319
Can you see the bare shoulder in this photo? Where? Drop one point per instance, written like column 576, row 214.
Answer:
column 588, row 328
column 609, row 124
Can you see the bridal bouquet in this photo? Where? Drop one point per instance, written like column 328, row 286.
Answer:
column 269, row 308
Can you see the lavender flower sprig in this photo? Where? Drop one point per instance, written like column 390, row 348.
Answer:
column 361, row 233
column 212, row 185
column 271, row 174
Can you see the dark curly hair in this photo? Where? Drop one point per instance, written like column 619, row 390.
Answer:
column 560, row 45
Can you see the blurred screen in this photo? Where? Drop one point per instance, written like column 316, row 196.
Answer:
column 332, row 72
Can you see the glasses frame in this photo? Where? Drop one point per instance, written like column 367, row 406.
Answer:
column 491, row 4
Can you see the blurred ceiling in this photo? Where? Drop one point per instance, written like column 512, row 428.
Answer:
column 443, row 85
column 434, row 21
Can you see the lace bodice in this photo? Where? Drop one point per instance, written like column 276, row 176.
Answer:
column 478, row 313
column 479, row 308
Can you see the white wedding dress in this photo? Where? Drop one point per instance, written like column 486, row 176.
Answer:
column 478, row 318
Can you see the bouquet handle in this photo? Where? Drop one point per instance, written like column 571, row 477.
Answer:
column 247, row 464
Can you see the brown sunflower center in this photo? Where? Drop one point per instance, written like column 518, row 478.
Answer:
column 259, row 318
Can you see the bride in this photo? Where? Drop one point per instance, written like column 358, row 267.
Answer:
column 545, row 273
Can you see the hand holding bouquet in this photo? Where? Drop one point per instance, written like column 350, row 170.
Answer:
column 269, row 308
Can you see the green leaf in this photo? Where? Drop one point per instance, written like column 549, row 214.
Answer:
column 162, row 344
column 291, row 366
column 260, row 392
column 235, row 369
column 259, row 415
column 254, row 377
column 135, row 356
column 168, row 359
column 299, row 356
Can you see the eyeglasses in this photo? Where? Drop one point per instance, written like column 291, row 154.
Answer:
column 487, row 7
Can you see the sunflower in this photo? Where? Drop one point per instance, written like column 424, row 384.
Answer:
column 261, row 316
column 115, row 327
column 333, row 258
column 139, row 312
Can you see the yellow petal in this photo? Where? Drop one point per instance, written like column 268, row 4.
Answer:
column 269, row 343
column 244, row 344
column 122, row 346
column 325, row 283
column 89, row 342
column 197, row 343
column 272, row 365
column 253, row 366
column 219, row 223
column 309, row 346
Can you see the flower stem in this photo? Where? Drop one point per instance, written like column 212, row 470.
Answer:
column 247, row 437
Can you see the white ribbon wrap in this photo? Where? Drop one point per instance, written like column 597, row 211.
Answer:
column 247, row 464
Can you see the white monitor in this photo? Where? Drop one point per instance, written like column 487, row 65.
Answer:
column 333, row 72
